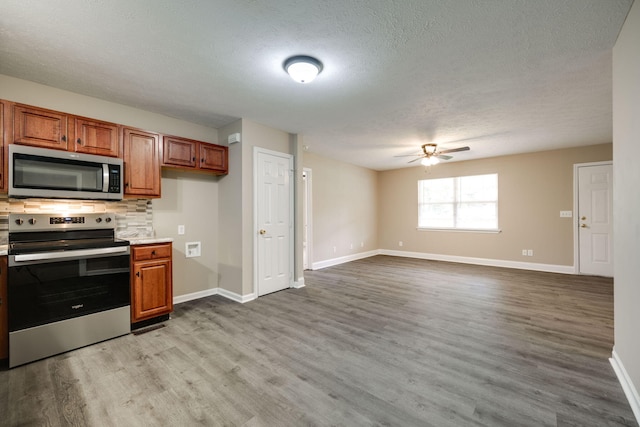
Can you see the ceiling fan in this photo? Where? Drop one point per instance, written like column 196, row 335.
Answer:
column 431, row 155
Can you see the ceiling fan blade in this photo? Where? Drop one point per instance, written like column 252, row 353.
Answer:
column 414, row 160
column 454, row 150
column 409, row 155
column 443, row 157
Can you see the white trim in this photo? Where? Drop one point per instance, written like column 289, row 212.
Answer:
column 195, row 295
column 214, row 291
column 237, row 297
column 576, row 216
column 308, row 206
column 289, row 157
column 462, row 230
column 551, row 268
column 298, row 283
column 627, row 385
column 341, row 260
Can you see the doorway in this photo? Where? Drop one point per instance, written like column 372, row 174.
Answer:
column 273, row 198
column 593, row 242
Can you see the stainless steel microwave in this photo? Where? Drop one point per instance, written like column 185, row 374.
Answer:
column 45, row 173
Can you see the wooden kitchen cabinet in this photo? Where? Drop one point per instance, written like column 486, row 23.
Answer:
column 151, row 281
column 187, row 154
column 96, row 137
column 4, row 313
column 141, row 156
column 52, row 129
column 39, row 127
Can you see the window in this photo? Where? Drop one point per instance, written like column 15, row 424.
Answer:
column 465, row 203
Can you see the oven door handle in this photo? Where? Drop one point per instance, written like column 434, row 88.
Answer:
column 43, row 256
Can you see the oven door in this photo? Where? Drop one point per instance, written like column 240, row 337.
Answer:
column 49, row 287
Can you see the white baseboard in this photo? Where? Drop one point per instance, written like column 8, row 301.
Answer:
column 297, row 284
column 215, row 291
column 551, row 268
column 341, row 260
column 627, row 385
column 195, row 295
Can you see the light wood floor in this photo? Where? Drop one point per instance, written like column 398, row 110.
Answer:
column 381, row 341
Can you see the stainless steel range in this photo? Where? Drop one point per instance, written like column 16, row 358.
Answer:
column 68, row 284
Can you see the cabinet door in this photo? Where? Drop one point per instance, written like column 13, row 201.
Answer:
column 179, row 152
column 152, row 290
column 38, row 127
column 4, row 314
column 94, row 137
column 141, row 163
column 214, row 157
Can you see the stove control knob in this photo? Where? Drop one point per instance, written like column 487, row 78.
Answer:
column 19, row 221
column 98, row 220
column 108, row 219
column 32, row 221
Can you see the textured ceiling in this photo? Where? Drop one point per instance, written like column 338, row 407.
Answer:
column 502, row 76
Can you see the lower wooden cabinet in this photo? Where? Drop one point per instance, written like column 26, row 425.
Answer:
column 151, row 281
column 4, row 313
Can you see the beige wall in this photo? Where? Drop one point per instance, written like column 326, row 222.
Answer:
column 533, row 189
column 237, row 236
column 345, row 200
column 187, row 198
column 626, row 201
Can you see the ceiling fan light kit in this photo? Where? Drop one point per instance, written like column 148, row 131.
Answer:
column 302, row 68
column 431, row 155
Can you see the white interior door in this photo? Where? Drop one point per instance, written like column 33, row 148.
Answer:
column 595, row 219
column 274, row 196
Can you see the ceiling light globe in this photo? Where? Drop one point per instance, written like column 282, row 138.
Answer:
column 426, row 161
column 303, row 69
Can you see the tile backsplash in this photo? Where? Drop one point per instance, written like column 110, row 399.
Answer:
column 134, row 217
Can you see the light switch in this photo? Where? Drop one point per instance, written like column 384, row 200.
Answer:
column 566, row 214
column 181, row 229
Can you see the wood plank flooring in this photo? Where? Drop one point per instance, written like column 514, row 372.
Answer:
column 382, row 341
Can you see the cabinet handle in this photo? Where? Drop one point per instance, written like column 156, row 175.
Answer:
column 193, row 160
column 79, row 141
column 138, row 274
column 64, row 138
column 126, row 184
column 202, row 160
column 153, row 253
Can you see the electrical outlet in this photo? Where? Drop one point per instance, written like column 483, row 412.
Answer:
column 362, row 244
column 524, row 252
column 351, row 246
column 400, row 243
column 335, row 249
column 181, row 229
column 529, row 252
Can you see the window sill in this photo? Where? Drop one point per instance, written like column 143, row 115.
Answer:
column 463, row 230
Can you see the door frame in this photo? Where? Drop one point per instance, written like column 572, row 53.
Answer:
column 256, row 227
column 308, row 214
column 576, row 219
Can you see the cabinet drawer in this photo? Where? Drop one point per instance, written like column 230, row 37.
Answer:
column 142, row 253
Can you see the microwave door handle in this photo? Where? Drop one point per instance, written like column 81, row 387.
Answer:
column 105, row 177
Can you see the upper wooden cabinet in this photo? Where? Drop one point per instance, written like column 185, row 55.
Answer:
column 39, row 127
column 141, row 156
column 183, row 153
column 94, row 137
column 52, row 129
column 214, row 158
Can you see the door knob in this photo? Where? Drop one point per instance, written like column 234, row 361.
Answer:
column 263, row 231
column 583, row 225
column 583, row 218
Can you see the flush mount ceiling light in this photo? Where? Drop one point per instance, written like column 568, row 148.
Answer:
column 302, row 69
